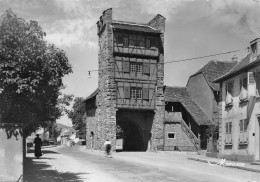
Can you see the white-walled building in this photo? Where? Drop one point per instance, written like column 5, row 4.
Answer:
column 239, row 137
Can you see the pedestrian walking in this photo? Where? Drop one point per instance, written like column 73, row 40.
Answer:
column 71, row 143
column 107, row 145
column 38, row 144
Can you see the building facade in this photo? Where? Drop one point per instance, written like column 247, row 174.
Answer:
column 205, row 93
column 185, row 119
column 130, row 96
column 240, row 109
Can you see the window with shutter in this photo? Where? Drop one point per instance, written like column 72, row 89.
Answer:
column 146, row 68
column 243, row 124
column 126, row 67
column 145, row 93
column 226, row 128
column 127, row 92
column 228, row 139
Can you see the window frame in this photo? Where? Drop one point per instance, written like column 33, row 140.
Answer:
column 136, row 93
column 174, row 133
column 136, row 68
column 243, row 128
column 228, row 133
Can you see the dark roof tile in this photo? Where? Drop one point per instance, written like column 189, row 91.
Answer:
column 243, row 64
column 215, row 69
column 181, row 94
column 134, row 27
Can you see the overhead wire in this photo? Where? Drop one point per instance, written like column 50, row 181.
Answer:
column 189, row 59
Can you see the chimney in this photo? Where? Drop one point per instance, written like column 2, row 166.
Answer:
column 254, row 49
column 158, row 22
column 105, row 18
column 234, row 58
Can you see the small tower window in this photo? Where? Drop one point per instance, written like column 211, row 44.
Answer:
column 171, row 135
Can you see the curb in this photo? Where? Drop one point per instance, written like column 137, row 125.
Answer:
column 237, row 167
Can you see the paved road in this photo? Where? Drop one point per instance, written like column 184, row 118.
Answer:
column 78, row 164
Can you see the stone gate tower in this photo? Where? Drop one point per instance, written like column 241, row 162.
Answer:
column 129, row 102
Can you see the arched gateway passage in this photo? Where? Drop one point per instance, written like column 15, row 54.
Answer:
column 134, row 129
column 132, row 136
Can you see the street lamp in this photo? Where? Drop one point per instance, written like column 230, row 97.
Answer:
column 89, row 76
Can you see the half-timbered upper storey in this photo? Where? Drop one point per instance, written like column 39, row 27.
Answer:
column 135, row 39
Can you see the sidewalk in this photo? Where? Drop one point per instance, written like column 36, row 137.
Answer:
column 227, row 163
column 39, row 170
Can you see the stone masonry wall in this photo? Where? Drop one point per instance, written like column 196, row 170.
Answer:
column 106, row 112
column 181, row 139
column 157, row 129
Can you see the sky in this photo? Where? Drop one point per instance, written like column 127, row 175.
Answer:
column 194, row 28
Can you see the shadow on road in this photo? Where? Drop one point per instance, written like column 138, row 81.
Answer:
column 40, row 170
column 44, row 151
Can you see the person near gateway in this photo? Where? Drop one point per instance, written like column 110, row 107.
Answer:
column 107, row 145
column 38, row 145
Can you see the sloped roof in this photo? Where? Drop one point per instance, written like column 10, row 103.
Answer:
column 244, row 64
column 134, row 27
column 181, row 94
column 68, row 131
column 215, row 69
column 92, row 95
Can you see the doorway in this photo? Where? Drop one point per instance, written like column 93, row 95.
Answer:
column 91, row 139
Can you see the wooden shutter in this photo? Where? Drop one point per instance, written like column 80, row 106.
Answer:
column 146, row 68
column 145, row 93
column 251, row 78
column 126, row 67
column 226, row 128
column 127, row 92
column 241, row 133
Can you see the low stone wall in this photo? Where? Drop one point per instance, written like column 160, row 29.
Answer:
column 11, row 154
